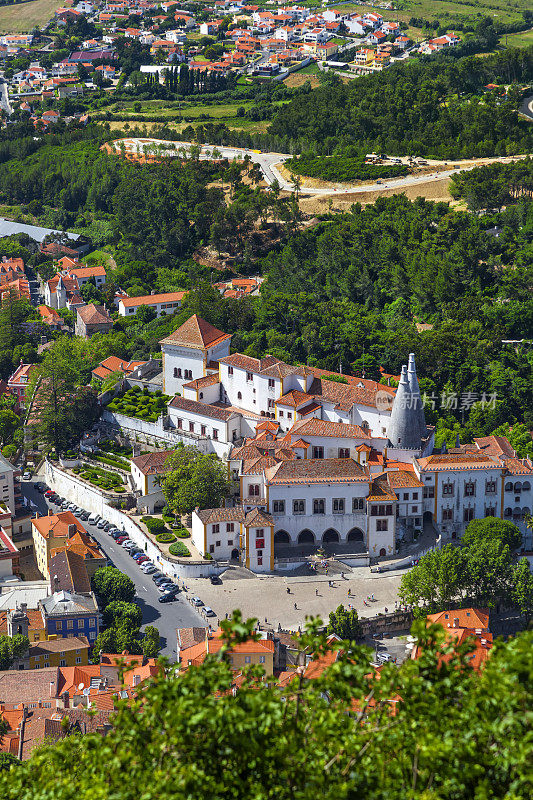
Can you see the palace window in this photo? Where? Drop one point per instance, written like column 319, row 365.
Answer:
column 382, row 525
column 429, row 491
column 490, row 487
column 253, row 490
column 298, row 506
column 447, row 514
column 470, row 488
column 358, row 504
column 448, row 488
column 318, row 452
column 338, row 505
column 319, row 506
column 344, row 452
column 230, row 372
column 278, row 507
column 468, row 514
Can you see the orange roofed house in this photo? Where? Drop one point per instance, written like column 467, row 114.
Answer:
column 242, row 655
column 63, row 531
column 462, row 625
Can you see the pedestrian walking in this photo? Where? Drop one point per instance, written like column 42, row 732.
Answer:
column 349, row 592
column 288, row 590
column 295, row 606
column 316, row 592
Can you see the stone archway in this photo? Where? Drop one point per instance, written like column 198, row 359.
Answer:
column 330, row 535
column 306, row 537
column 282, row 537
column 355, row 535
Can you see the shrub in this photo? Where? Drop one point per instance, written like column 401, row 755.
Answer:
column 154, row 524
column 181, row 533
column 165, row 538
column 179, row 549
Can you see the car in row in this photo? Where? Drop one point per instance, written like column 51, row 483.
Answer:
column 169, row 590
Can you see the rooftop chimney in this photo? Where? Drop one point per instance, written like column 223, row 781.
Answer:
column 72, row 529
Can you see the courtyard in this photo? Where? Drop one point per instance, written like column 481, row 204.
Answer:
column 267, row 598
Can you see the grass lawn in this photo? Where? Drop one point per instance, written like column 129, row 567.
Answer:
column 100, row 256
column 523, row 39
column 434, row 9
column 25, row 16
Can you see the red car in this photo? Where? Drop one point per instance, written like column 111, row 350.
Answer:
column 142, row 559
column 121, row 539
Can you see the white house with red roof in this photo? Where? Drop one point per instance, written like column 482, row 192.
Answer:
column 166, row 303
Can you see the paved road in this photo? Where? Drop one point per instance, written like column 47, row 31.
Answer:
column 269, row 162
column 165, row 616
column 4, row 98
column 526, row 109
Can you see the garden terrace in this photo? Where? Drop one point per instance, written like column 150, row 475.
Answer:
column 140, row 403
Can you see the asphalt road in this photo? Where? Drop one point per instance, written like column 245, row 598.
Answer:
column 166, row 617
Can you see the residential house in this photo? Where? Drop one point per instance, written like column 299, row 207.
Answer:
column 146, row 471
column 67, row 652
column 18, row 383
column 62, row 531
column 67, row 615
column 50, row 317
column 91, row 319
column 239, row 656
column 167, row 303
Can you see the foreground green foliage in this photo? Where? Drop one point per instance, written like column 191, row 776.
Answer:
column 433, row 730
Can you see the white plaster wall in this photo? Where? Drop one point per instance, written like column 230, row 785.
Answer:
column 381, row 539
column 318, row 523
column 180, row 358
column 92, row 500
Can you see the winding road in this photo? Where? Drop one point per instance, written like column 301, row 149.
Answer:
column 270, row 162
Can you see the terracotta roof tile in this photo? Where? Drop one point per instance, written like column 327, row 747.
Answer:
column 196, row 333
column 322, row 427
column 152, row 463
column 456, row 462
column 203, row 409
column 317, row 470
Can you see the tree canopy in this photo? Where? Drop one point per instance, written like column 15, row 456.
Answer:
column 430, row 728
column 194, row 479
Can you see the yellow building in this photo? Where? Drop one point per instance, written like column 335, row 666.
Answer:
column 60, row 653
column 61, row 531
column 245, row 654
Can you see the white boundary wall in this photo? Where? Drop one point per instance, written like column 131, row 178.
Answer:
column 91, row 499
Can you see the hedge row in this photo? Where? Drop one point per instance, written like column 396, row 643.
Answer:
column 165, row 538
column 179, row 549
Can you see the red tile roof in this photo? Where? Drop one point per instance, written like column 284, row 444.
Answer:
column 196, row 333
column 317, row 470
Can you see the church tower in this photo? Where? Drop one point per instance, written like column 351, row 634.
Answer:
column 17, row 621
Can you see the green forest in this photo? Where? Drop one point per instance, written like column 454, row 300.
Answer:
column 343, row 168
column 433, row 108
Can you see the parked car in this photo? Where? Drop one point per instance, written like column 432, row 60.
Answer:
column 215, row 580
column 121, row 539
column 141, row 560
column 101, row 523
column 209, row 612
column 127, row 543
column 165, row 587
column 93, row 519
column 107, row 526
column 84, row 516
column 168, row 597
column 161, row 579
column 26, row 476
column 196, row 601
column 116, row 536
column 384, row 657
column 148, row 568
column 156, row 575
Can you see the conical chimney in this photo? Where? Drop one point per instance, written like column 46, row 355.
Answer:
column 416, row 399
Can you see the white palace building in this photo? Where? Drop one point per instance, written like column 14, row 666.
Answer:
column 323, row 459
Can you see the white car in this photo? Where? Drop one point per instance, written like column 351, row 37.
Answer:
column 383, row 657
column 209, row 612
column 127, row 543
column 26, row 476
column 101, row 524
column 196, row 601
